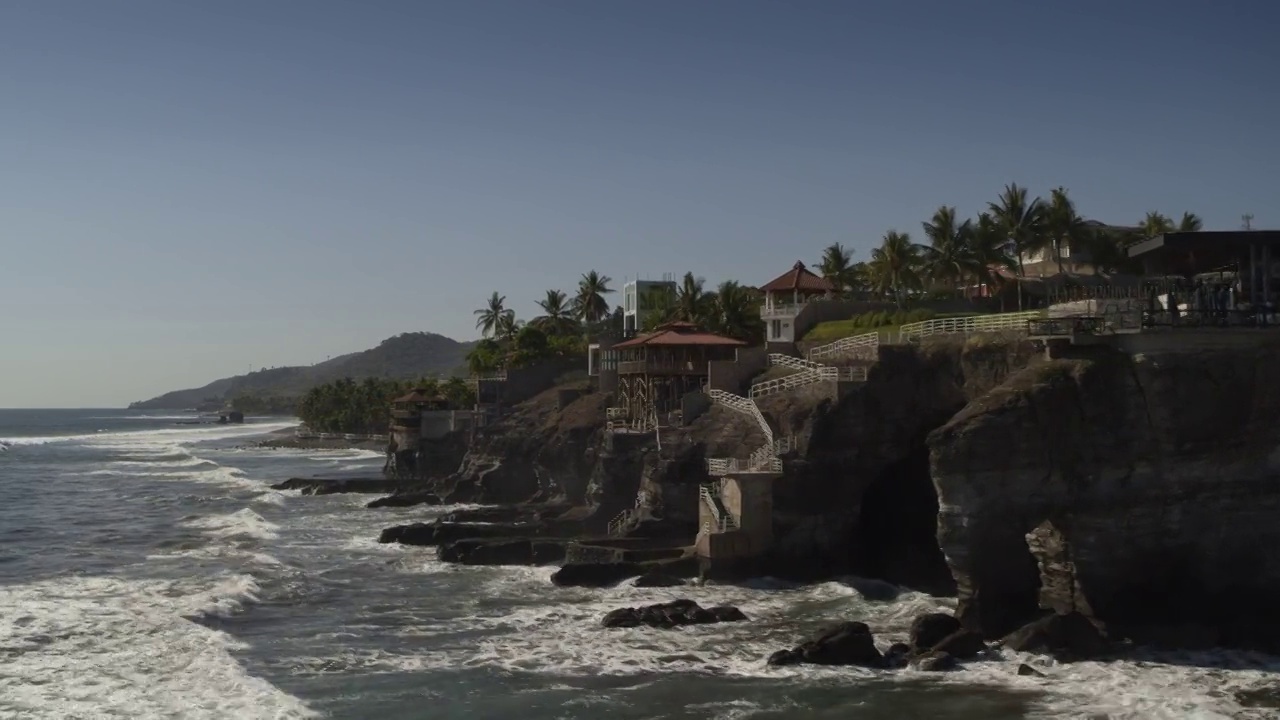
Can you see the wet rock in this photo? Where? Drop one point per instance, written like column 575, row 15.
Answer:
column 672, row 614
column 1065, row 637
column 962, row 645
column 406, row 499
column 897, row 655
column 658, row 579
column 848, row 643
column 595, row 574
column 931, row 629
column 413, row 534
column 1028, row 671
column 329, row 486
column 935, row 661
column 486, row 551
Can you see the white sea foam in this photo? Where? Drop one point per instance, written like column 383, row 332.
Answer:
column 243, row 524
column 135, row 438
column 563, row 636
column 94, row 647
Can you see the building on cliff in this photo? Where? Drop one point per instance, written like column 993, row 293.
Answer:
column 641, row 298
column 657, row 370
column 1251, row 256
column 787, row 310
column 417, row 419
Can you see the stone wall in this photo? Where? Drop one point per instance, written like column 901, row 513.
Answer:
column 733, row 375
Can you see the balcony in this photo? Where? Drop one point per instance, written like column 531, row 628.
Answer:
column 658, row 366
column 781, row 311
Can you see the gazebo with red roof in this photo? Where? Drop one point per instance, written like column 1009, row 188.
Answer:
column 787, row 295
column 656, row 369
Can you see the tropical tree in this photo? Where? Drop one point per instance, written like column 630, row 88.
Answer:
column 895, row 265
column 989, row 250
column 1020, row 221
column 1190, row 223
column 692, row 303
column 557, row 317
column 736, row 312
column 1155, row 224
column 1063, row 227
column 837, row 266
column 508, row 326
column 589, row 303
column 949, row 257
column 490, row 318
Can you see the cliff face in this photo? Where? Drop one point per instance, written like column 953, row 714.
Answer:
column 1150, row 481
column 857, row 495
column 541, row 449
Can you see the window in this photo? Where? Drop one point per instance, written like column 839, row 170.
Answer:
column 775, row 329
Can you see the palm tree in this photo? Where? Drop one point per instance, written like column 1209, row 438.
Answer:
column 1020, row 221
column 490, row 317
column 1190, row 223
column 557, row 317
column 692, row 302
column 837, row 266
column 895, row 265
column 989, row 248
column 508, row 326
column 1155, row 224
column 948, row 259
column 737, row 312
column 589, row 303
column 1062, row 226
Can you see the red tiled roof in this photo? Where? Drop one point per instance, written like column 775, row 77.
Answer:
column 799, row 278
column 678, row 334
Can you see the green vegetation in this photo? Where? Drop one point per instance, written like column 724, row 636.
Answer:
column 966, row 253
column 866, row 322
column 252, row 404
column 563, row 328
column 346, row 406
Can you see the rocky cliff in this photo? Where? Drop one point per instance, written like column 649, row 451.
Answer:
column 1137, row 487
column 857, row 495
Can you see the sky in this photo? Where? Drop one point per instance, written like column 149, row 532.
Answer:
column 192, row 189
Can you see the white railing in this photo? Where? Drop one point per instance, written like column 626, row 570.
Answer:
column 620, row 521
column 795, row 363
column 780, row 310
column 855, row 346
column 1002, row 322
column 724, row 521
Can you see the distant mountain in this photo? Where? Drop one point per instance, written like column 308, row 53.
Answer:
column 403, row 357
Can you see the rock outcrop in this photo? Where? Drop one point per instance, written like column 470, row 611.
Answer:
column 672, row 614
column 1134, row 489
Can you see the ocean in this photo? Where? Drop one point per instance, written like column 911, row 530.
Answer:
column 147, row 570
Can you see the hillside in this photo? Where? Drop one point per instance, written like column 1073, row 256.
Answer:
column 406, row 356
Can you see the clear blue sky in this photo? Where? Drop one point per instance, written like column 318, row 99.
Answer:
column 188, row 189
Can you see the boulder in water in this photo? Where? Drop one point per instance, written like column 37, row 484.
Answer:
column 672, row 614
column 848, row 643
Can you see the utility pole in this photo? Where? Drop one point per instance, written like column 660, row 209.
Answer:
column 1246, row 221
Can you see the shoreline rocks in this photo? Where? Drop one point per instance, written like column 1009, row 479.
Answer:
column 672, row 614
column 331, row 486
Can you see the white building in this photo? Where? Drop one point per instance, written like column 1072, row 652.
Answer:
column 640, row 297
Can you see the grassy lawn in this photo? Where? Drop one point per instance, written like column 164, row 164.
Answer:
column 859, row 324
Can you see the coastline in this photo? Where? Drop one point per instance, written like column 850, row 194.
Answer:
column 287, row 439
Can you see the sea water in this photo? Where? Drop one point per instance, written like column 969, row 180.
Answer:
column 148, row 571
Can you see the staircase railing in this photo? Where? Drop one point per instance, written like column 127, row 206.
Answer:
column 620, row 521
column 723, row 520
column 745, row 406
column 795, row 363
column 1001, row 322
column 862, row 346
